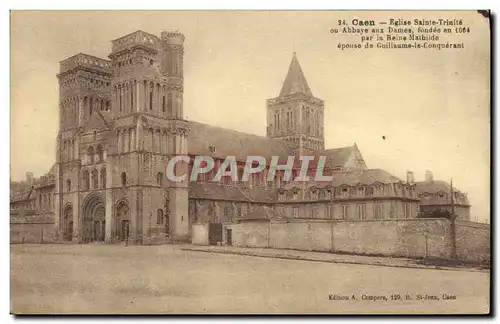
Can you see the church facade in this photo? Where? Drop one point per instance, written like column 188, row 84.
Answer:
column 122, row 120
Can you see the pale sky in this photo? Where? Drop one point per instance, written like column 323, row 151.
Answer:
column 432, row 106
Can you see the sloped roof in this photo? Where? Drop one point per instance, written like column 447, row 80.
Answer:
column 216, row 191
column 295, row 81
column 352, row 178
column 365, row 177
column 337, row 157
column 433, row 186
column 21, row 192
column 207, row 190
column 229, row 142
column 436, row 186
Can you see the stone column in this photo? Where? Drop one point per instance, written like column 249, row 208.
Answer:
column 80, row 110
column 133, row 96
column 126, row 141
column 76, row 144
column 132, row 140
column 158, row 140
column 146, row 94
column 57, row 202
column 177, row 144
column 126, row 98
column 138, row 95
column 110, row 224
column 119, row 141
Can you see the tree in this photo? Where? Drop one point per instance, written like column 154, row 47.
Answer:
column 437, row 213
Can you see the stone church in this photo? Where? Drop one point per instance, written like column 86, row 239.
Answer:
column 122, row 119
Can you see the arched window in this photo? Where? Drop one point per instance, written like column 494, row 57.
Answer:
column 85, row 103
column 159, row 179
column 99, row 153
column 131, row 97
column 151, row 97
column 91, row 154
column 159, row 217
column 103, row 178
column 64, row 150
column 95, row 179
column 68, row 185
column 85, row 180
column 120, row 90
column 157, row 94
column 308, row 121
column 124, row 179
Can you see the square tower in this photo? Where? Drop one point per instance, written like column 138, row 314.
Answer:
column 296, row 116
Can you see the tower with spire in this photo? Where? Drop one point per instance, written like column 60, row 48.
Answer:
column 296, row 116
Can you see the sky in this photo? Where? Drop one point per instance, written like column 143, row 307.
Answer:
column 405, row 109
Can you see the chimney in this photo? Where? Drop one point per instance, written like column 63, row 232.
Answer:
column 29, row 178
column 429, row 176
column 409, row 177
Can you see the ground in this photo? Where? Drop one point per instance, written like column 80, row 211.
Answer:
column 98, row 278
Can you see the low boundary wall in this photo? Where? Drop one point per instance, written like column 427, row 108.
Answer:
column 415, row 238
column 37, row 228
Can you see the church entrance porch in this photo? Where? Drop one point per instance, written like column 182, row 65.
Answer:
column 94, row 222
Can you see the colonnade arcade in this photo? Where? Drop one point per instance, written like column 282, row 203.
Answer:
column 145, row 95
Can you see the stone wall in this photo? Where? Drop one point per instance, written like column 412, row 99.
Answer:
column 473, row 241
column 200, row 234
column 250, row 234
column 311, row 235
column 406, row 238
column 415, row 238
column 37, row 228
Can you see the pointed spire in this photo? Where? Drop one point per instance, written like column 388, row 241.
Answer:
column 295, row 81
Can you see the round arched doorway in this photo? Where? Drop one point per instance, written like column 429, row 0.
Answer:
column 94, row 220
column 122, row 218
